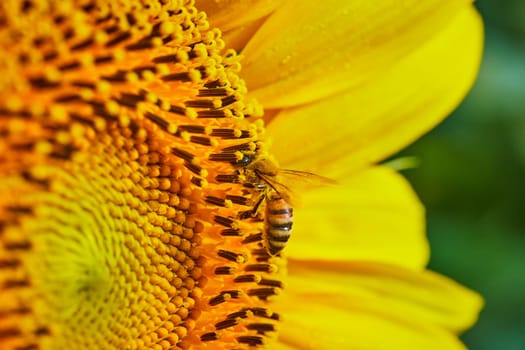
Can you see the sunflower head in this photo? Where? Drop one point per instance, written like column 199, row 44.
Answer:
column 125, row 138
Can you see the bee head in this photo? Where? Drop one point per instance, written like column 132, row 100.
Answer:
column 247, row 159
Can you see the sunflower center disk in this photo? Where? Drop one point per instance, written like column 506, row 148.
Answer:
column 119, row 203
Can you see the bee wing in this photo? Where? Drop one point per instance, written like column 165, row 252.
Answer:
column 303, row 179
column 284, row 191
column 289, row 184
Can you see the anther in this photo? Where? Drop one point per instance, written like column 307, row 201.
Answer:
column 226, row 323
column 221, row 270
column 183, row 76
column 255, row 237
column 271, row 283
column 142, row 44
column 221, row 202
column 199, row 182
column 16, row 283
column 118, row 39
column 177, row 110
column 187, row 156
column 111, row 29
column 196, row 169
column 237, row 199
column 229, row 255
column 200, row 104
column 23, row 245
column 224, row 221
column 240, row 314
column 193, row 129
column 174, row 58
column 260, row 252
column 162, row 123
column 83, row 44
column 251, row 340
column 67, row 98
column 263, row 312
column 50, row 56
column 229, row 178
column 69, row 66
column 225, row 296
column 263, row 293
column 119, row 76
column 260, row 268
column 215, row 113
column 103, row 59
column 246, row 279
column 211, row 336
column 248, row 146
column 230, row 232
column 212, row 92
column 224, row 133
column 213, row 84
column 205, row 141
column 131, row 100
column 43, row 83
column 9, row 332
column 228, row 100
column 223, row 157
column 9, row 263
column 261, row 328
column 100, row 110
column 42, row 331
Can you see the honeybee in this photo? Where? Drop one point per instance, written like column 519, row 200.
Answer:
column 276, row 187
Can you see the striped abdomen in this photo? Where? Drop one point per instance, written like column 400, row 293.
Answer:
column 279, row 221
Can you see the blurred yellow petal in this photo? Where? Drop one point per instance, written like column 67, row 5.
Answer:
column 281, row 346
column 375, row 215
column 320, row 327
column 239, row 36
column 350, row 304
column 333, row 45
column 230, row 14
column 366, row 124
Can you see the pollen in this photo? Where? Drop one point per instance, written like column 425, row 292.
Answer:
column 122, row 125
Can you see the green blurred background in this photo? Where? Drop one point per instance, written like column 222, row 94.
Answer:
column 471, row 178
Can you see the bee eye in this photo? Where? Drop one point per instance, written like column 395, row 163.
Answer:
column 244, row 161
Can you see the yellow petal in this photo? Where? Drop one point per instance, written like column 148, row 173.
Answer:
column 346, row 305
column 327, row 328
column 374, row 215
column 230, row 14
column 366, row 124
column 312, row 49
column 238, row 37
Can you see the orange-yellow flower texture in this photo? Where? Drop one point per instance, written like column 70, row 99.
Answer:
column 142, row 144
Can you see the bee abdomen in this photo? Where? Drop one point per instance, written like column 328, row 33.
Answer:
column 288, row 211
column 280, row 233
column 279, row 224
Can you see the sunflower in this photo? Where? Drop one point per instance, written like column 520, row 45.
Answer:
column 133, row 203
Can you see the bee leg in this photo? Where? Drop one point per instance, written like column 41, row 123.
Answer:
column 252, row 213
